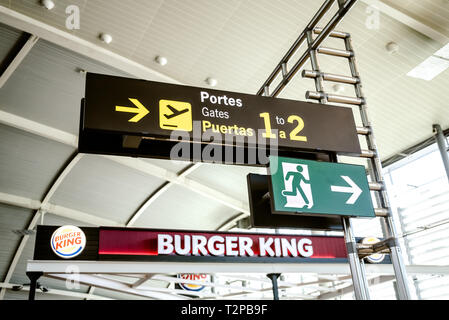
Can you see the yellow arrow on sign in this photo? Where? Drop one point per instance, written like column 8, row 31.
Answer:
column 140, row 110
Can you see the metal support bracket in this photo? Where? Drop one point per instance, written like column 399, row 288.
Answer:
column 274, row 279
column 33, row 276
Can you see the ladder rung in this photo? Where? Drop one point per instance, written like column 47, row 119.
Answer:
column 362, row 253
column 334, row 34
column 334, row 98
column 335, row 52
column 381, row 212
column 382, row 245
column 367, row 154
column 344, row 99
column 340, row 78
column 363, row 130
column 376, row 186
column 314, row 95
column 330, row 77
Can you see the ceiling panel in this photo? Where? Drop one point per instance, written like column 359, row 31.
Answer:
column 235, row 42
column 55, row 17
column 171, row 165
column 26, row 169
column 11, row 219
column 249, row 42
column 126, row 21
column 47, row 87
column 104, row 188
column 432, row 12
column 54, row 220
column 180, row 208
column 181, row 31
column 229, row 179
column 402, row 109
column 9, row 37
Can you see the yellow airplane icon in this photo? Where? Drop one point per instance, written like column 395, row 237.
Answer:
column 175, row 115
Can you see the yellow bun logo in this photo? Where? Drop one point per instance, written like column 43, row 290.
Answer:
column 68, row 241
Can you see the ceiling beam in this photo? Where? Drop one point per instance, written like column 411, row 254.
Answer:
column 51, row 291
column 35, row 219
column 155, row 195
column 286, row 283
column 22, row 202
column 73, row 43
column 229, row 224
column 400, row 14
column 80, row 216
column 135, row 163
column 18, row 253
column 19, row 201
column 45, row 206
column 121, row 267
column 23, row 52
column 39, row 129
column 101, row 282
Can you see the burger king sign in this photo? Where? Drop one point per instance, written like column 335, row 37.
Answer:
column 68, row 241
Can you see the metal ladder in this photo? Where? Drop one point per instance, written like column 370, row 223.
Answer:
column 374, row 164
column 355, row 252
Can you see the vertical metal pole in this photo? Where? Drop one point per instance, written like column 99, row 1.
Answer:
column 274, row 280
column 375, row 169
column 354, row 262
column 213, row 280
column 364, row 280
column 314, row 62
column 442, row 145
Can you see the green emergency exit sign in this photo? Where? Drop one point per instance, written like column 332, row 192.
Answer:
column 319, row 188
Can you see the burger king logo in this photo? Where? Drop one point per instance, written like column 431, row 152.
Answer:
column 68, row 241
column 377, row 257
column 194, row 277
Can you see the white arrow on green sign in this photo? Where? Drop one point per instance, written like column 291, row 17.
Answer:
column 319, row 188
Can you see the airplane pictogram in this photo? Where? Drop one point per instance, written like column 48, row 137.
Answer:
column 175, row 115
column 175, row 112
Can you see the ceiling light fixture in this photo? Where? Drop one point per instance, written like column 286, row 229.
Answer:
column 106, row 38
column 392, row 47
column 338, row 88
column 161, row 60
column 211, row 81
column 48, row 4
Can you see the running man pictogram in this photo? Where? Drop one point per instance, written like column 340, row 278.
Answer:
column 296, row 184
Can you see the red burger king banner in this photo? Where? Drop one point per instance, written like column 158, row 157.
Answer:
column 169, row 243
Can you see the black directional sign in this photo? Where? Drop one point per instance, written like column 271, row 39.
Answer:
column 263, row 217
column 153, row 110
